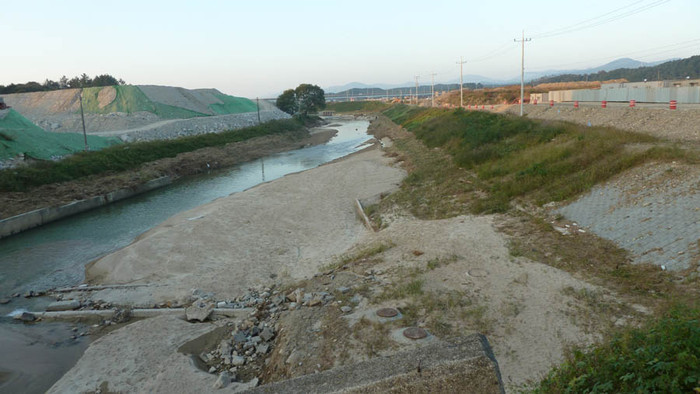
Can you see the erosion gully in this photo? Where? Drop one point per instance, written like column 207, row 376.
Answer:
column 34, row 356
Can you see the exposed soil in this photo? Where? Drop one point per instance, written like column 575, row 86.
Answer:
column 190, row 163
column 106, row 96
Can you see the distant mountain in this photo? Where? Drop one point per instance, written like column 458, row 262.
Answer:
column 673, row 69
column 360, row 85
column 623, row 63
column 407, row 85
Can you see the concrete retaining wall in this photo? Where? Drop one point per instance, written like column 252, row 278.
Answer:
column 25, row 221
column 464, row 365
column 683, row 94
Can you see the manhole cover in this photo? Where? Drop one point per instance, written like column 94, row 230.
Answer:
column 387, row 312
column 415, row 333
column 477, row 273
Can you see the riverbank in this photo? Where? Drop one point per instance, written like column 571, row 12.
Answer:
column 184, row 164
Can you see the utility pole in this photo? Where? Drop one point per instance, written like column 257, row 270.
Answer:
column 82, row 116
column 417, row 76
column 522, row 70
column 461, row 90
column 257, row 104
column 432, row 89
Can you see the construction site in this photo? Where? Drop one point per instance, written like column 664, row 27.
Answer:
column 45, row 125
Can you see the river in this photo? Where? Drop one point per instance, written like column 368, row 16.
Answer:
column 54, row 255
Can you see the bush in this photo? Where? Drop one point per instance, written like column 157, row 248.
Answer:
column 663, row 357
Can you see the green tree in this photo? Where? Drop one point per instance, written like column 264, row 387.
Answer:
column 85, row 80
column 310, row 98
column 104, row 80
column 287, row 102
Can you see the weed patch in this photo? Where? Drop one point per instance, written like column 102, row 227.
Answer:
column 662, row 357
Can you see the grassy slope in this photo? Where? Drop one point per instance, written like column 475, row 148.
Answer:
column 19, row 135
column 516, row 157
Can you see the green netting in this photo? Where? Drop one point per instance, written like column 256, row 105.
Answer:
column 170, row 112
column 18, row 135
column 130, row 99
column 232, row 105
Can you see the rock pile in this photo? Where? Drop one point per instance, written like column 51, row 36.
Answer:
column 243, row 352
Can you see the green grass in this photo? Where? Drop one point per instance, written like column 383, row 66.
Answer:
column 357, row 106
column 662, row 357
column 517, row 157
column 435, row 188
column 130, row 156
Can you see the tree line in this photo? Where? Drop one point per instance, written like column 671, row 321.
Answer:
column 675, row 69
column 82, row 81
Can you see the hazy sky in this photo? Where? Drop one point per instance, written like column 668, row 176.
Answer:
column 261, row 47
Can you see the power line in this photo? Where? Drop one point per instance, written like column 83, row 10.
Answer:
column 501, row 50
column 650, row 52
column 555, row 31
column 608, row 17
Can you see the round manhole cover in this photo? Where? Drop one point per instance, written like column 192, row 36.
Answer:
column 415, row 333
column 387, row 312
column 477, row 273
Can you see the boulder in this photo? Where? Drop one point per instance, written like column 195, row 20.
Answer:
column 199, row 310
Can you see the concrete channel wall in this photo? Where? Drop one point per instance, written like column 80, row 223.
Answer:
column 462, row 365
column 25, row 221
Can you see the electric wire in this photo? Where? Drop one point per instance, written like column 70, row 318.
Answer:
column 608, row 17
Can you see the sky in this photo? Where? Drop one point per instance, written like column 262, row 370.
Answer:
column 258, row 48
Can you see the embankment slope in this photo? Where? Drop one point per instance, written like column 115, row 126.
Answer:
column 125, row 107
